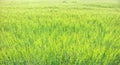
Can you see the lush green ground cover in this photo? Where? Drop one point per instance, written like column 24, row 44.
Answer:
column 59, row 33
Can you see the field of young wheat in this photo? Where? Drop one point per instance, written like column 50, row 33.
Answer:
column 59, row 33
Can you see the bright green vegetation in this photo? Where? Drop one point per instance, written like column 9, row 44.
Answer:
column 59, row 33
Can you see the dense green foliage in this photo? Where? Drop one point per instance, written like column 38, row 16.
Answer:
column 59, row 33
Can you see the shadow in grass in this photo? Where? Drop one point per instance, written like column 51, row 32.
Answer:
column 64, row 2
column 99, row 5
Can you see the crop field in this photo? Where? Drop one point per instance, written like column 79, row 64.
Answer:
column 62, row 32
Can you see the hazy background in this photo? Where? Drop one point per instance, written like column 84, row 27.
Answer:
column 113, row 1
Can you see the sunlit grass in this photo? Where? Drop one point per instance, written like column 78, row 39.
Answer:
column 59, row 33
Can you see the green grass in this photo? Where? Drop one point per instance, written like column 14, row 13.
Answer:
column 59, row 33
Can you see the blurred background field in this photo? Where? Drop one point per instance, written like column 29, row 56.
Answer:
column 51, row 32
